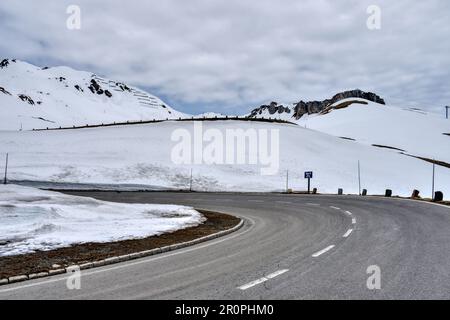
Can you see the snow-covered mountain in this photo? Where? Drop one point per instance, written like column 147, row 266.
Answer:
column 355, row 126
column 294, row 111
column 369, row 121
column 35, row 97
column 407, row 130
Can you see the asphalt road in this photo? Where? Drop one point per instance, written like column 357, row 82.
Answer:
column 291, row 247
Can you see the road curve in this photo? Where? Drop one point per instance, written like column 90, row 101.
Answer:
column 291, row 247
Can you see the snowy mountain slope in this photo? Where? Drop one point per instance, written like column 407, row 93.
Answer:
column 142, row 154
column 294, row 111
column 414, row 131
column 32, row 219
column 407, row 130
column 34, row 97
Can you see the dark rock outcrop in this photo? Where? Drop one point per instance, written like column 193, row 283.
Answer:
column 3, row 90
column 26, row 98
column 123, row 86
column 302, row 107
column 310, row 107
column 4, row 63
column 272, row 108
column 96, row 88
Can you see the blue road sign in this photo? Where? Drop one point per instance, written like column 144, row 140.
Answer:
column 308, row 174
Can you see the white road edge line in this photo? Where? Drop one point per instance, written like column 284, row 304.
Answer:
column 315, row 255
column 333, row 207
column 348, row 212
column 353, row 221
column 263, row 279
column 347, row 233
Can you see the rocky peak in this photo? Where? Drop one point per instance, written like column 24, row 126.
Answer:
column 5, row 63
column 272, row 108
column 302, row 107
column 310, row 107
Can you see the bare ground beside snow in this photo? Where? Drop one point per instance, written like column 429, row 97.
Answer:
column 42, row 261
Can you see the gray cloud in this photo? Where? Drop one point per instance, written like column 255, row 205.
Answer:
column 232, row 55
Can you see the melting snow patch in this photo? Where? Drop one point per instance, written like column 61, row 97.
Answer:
column 32, row 219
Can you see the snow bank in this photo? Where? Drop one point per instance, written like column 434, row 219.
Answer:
column 32, row 219
column 141, row 155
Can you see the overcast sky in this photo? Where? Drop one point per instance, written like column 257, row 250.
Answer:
column 229, row 56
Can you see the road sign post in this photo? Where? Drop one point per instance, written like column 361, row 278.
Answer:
column 309, row 175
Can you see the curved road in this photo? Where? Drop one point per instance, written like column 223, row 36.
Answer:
column 291, row 247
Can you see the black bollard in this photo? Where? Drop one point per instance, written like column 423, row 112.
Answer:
column 415, row 194
column 438, row 196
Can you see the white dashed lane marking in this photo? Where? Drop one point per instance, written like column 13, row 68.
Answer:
column 348, row 212
column 315, row 255
column 353, row 221
column 263, row 279
column 349, row 231
column 336, row 208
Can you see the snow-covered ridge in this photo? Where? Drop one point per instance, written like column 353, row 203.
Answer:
column 32, row 97
column 32, row 219
column 294, row 111
column 409, row 130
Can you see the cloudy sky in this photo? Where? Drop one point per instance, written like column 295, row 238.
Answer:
column 229, row 56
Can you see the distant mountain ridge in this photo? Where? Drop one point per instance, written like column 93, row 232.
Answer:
column 34, row 97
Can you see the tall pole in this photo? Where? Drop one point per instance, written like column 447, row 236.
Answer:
column 309, row 185
column 432, row 184
column 359, row 178
column 446, row 111
column 287, row 181
column 6, row 170
column 190, row 182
